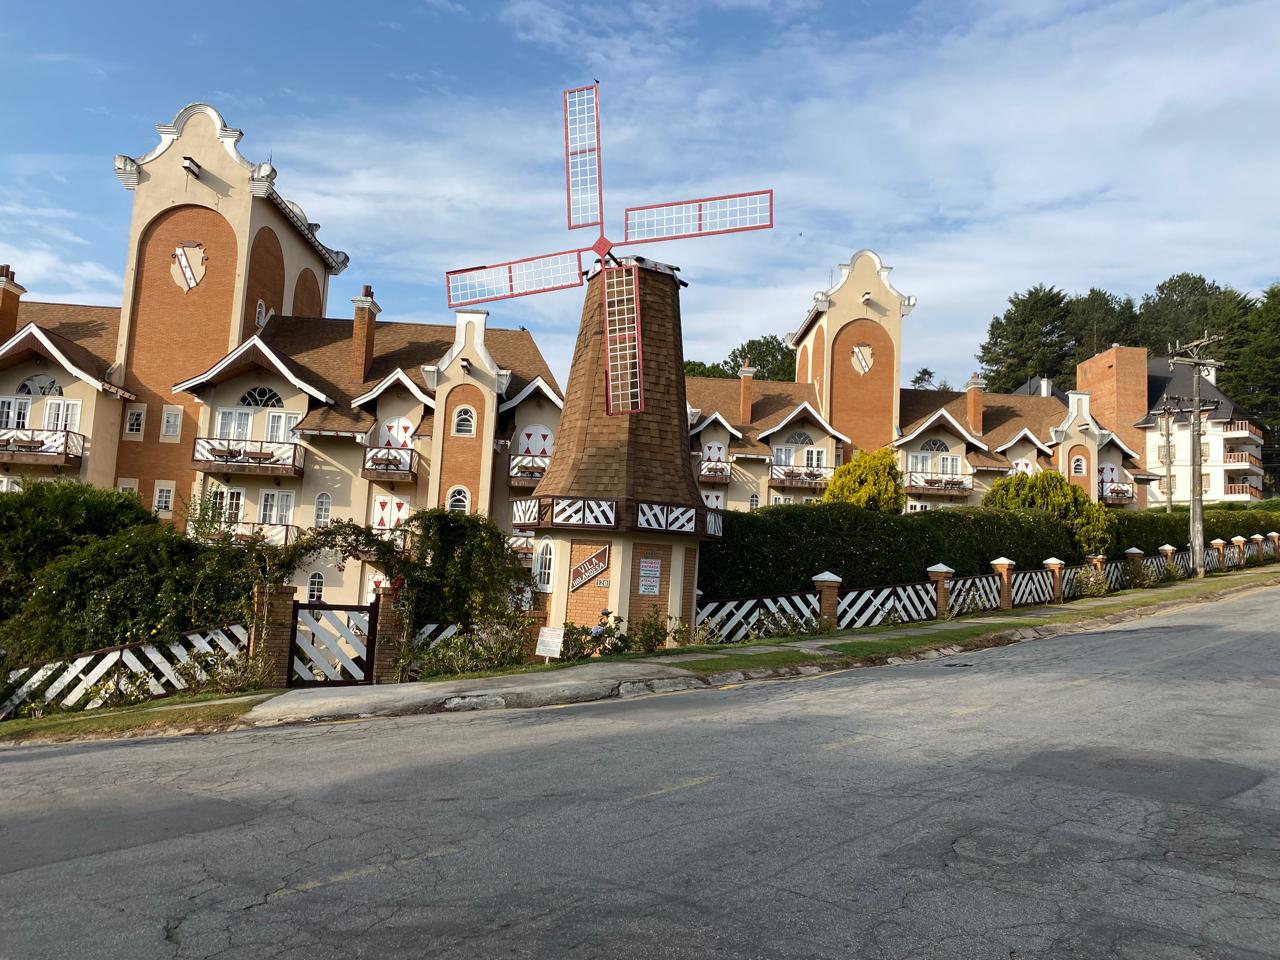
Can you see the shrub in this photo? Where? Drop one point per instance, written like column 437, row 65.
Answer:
column 1092, row 524
column 870, row 480
column 1093, row 583
column 1149, row 530
column 490, row 644
column 1142, row 577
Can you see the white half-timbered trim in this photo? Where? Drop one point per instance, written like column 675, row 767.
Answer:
column 715, row 418
column 651, row 516
column 1031, row 587
column 524, row 513
column 599, row 513
column 735, row 620
column 331, row 645
column 680, row 519
column 1025, row 434
column 973, row 594
column 566, row 512
column 253, row 343
column 715, row 523
column 906, row 602
column 1117, row 574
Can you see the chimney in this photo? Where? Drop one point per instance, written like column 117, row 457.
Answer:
column 745, row 376
column 1046, row 387
column 1116, row 379
column 10, row 293
column 367, row 311
column 974, row 399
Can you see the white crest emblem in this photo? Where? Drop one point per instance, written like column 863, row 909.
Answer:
column 187, row 268
column 862, row 358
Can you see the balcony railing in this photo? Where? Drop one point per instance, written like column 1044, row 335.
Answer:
column 919, row 482
column 1242, row 490
column 277, row 534
column 1237, row 427
column 55, row 447
column 259, row 457
column 390, row 464
column 714, row 471
column 1239, row 459
column 526, row 469
column 1116, row 493
column 793, row 475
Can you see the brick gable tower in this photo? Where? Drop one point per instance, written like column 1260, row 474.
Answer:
column 619, row 500
column 213, row 251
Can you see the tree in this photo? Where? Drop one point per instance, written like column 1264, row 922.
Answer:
column 770, row 356
column 923, row 380
column 1095, row 321
column 870, row 480
column 1092, row 524
column 1029, row 340
column 696, row 368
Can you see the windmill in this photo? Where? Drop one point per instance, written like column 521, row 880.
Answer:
column 618, row 507
column 584, row 201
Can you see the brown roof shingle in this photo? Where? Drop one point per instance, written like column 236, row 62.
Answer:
column 771, row 402
column 91, row 331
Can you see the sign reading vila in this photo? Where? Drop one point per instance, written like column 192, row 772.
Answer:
column 650, row 577
column 550, row 641
column 589, row 569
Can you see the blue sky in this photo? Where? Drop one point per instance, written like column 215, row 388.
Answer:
column 980, row 146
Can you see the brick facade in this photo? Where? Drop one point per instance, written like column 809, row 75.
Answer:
column 460, row 456
column 307, row 300
column 265, row 280
column 638, row 605
column 862, row 403
column 588, row 600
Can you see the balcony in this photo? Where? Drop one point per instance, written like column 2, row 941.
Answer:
column 918, row 483
column 1116, row 494
column 1242, row 428
column 785, row 476
column 57, row 448
column 1240, row 460
column 390, row 464
column 276, row 534
column 263, row 458
column 1238, row 491
column 526, row 470
column 714, row 471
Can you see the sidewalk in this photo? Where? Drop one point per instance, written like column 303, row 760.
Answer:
column 602, row 680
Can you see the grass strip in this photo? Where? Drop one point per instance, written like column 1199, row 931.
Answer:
column 747, row 661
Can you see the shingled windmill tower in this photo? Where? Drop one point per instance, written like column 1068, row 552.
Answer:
column 619, row 503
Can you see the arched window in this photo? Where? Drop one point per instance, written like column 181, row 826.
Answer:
column 798, row 438
column 464, row 422
column 935, row 446
column 324, row 510
column 39, row 385
column 260, row 314
column 542, row 566
column 1077, row 467
column 753, row 501
column 459, row 500
column 260, row 397
column 315, row 587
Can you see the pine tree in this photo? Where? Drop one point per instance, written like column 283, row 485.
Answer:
column 1030, row 340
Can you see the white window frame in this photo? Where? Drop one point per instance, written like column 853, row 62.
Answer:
column 949, row 465
column 237, row 416
column 753, row 502
column 271, row 506
column 227, row 495
column 784, row 456
column 318, row 521
column 468, row 412
column 171, row 423
column 163, row 487
column 132, row 410
column 127, row 485
column 315, row 587
column 1079, row 467
column 15, row 413
column 919, row 463
column 543, row 565
column 815, row 457
column 455, row 492
column 62, row 414
column 280, row 424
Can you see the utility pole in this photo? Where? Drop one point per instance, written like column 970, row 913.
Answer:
column 1192, row 355
column 1167, row 410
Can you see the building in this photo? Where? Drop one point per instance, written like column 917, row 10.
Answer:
column 220, row 380
column 765, row 443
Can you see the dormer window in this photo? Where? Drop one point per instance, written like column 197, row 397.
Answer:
column 464, row 422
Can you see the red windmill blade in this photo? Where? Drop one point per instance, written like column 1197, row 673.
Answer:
column 584, row 201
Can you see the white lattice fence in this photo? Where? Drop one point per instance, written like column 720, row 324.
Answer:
column 1154, row 566
column 1071, row 581
column 77, row 683
column 1117, row 575
column 433, row 633
column 1031, row 586
column 973, row 594
column 1211, row 563
column 906, row 602
column 1233, row 556
column 1182, row 559
column 734, row 620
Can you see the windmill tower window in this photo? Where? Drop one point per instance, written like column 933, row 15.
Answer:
column 622, row 340
column 464, row 422
column 324, row 510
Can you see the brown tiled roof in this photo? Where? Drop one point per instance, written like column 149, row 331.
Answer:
column 89, row 331
column 1003, row 415
column 319, row 351
column 771, row 402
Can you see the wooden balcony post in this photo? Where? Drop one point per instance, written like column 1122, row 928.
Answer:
column 1220, row 547
column 1003, row 567
column 941, row 576
column 828, row 586
column 1055, row 566
column 271, row 632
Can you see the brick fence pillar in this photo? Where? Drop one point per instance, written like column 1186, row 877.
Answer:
column 1220, row 547
column 941, row 576
column 388, row 638
column 828, row 586
column 1003, row 567
column 1275, row 545
column 1239, row 543
column 1054, row 566
column 271, row 633
column 1258, row 540
column 1096, row 561
column 1168, row 551
column 1134, row 556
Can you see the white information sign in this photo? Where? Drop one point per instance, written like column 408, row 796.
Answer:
column 650, row 577
column 550, row 640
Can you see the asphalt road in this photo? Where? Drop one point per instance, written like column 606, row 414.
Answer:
column 1105, row 795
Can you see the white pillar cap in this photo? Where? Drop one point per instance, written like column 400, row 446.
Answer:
column 939, row 568
column 1133, row 551
column 826, row 576
column 1054, row 562
column 1004, row 560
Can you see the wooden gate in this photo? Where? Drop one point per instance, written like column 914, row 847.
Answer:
column 332, row 643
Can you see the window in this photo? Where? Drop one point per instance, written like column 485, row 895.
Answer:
column 917, row 507
column 777, row 500
column 171, row 423
column 275, row 506
column 919, row 462
column 1165, row 453
column 228, row 503
column 163, row 502
column 542, row 566
column 624, row 380
column 260, row 397
column 62, row 415
column 10, row 484
column 315, row 588
column 1078, row 467
column 783, row 456
column 1204, row 483
column 798, row 438
column 260, row 314
column 233, row 424
column 950, row 465
column 39, row 385
column 815, row 457
column 280, row 426
column 464, row 422
column 459, row 500
column 324, row 509
column 127, row 485
column 1168, row 485
column 753, row 502
column 935, row 446
column 135, row 420
column 14, row 413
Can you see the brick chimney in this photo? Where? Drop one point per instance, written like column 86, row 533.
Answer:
column 367, row 311
column 1116, row 380
column 974, row 399
column 745, row 376
column 10, row 293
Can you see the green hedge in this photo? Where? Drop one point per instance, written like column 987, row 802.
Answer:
column 779, row 549
column 1150, row 530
